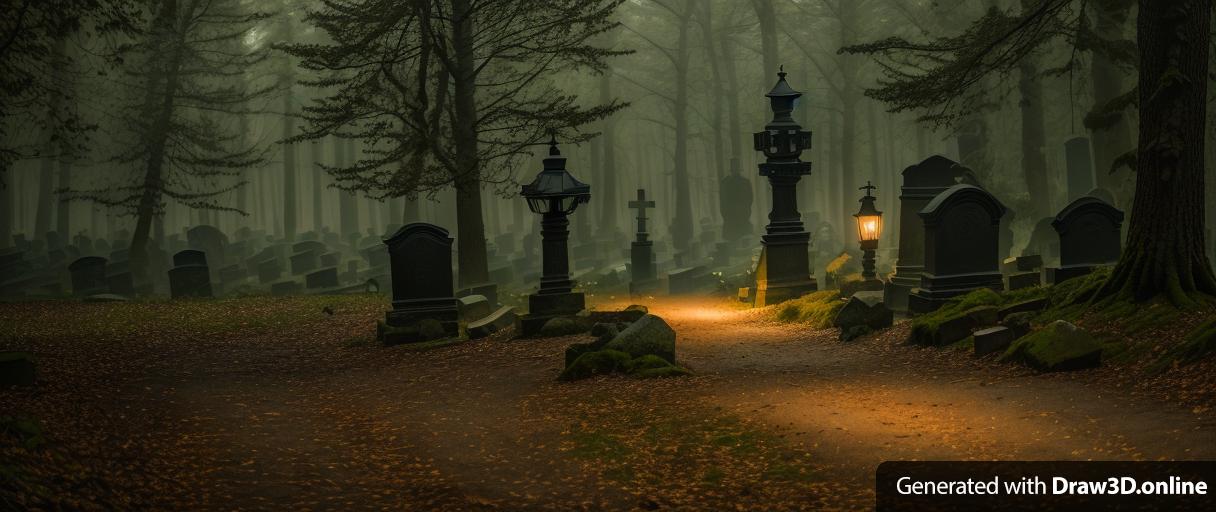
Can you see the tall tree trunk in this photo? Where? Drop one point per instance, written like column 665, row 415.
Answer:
column 7, row 198
column 161, row 101
column 1034, row 162
column 1164, row 253
column 470, row 227
column 608, row 172
column 348, row 208
column 1107, row 82
column 290, row 208
column 318, row 186
column 682, row 224
column 767, row 16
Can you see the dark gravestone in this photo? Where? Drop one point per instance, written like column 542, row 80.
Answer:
column 210, row 240
column 190, row 275
column 1090, row 231
column 421, row 260
column 1080, row 164
column 641, row 251
column 961, row 241
column 921, row 183
column 736, row 204
column 324, row 278
column 304, row 262
column 376, row 255
column 269, row 271
column 88, row 276
column 331, row 259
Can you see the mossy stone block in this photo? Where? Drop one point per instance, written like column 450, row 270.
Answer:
column 599, row 362
column 1058, row 347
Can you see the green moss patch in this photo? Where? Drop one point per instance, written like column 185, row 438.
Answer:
column 1057, row 347
column 608, row 361
column 817, row 309
column 1200, row 343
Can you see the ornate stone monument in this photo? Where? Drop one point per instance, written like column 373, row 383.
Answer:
column 784, row 269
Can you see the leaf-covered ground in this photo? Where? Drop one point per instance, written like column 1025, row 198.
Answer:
column 262, row 403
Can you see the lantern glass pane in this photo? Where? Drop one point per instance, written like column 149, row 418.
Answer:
column 869, row 227
column 537, row 205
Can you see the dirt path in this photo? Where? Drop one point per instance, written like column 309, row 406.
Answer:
column 317, row 417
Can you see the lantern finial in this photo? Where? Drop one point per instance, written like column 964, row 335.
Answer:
column 553, row 151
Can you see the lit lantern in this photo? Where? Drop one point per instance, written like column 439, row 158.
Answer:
column 554, row 194
column 869, row 228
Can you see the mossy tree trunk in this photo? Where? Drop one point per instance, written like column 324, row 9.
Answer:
column 1164, row 254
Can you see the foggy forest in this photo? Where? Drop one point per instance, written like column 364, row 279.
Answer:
column 369, row 254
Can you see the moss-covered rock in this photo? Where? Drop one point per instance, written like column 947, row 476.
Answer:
column 650, row 335
column 817, row 310
column 956, row 319
column 1060, row 346
column 598, row 362
column 605, row 362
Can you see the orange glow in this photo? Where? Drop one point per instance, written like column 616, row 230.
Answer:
column 869, row 227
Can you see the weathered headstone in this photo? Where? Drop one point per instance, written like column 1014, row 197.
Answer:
column 88, row 276
column 921, row 183
column 421, row 261
column 119, row 279
column 304, row 262
column 211, row 241
column 1090, row 232
column 961, row 241
column 322, row 279
column 190, row 275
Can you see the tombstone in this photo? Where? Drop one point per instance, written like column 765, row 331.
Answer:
column 304, row 262
column 961, row 237
column 921, row 184
column 324, row 278
column 190, row 275
column 421, row 260
column 53, row 241
column 735, row 202
column 269, row 271
column 1080, row 164
column 1089, row 231
column 376, row 256
column 88, row 276
column 211, row 241
column 331, row 259
column 641, row 251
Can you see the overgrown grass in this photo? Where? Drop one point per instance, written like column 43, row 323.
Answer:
column 816, row 310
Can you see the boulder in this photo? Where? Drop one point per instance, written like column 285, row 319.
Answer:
column 650, row 335
column 496, row 321
column 16, row 369
column 599, row 362
column 1019, row 323
column 863, row 313
column 473, row 307
column 1060, row 346
column 953, row 329
column 993, row 339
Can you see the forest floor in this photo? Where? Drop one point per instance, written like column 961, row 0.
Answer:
column 269, row 404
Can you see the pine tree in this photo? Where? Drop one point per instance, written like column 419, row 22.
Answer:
column 449, row 94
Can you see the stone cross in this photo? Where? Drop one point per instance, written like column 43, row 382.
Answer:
column 868, row 188
column 641, row 204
